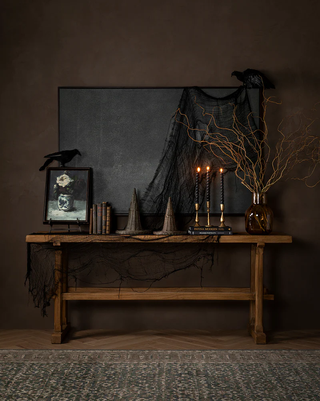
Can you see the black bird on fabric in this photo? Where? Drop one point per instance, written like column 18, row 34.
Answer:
column 65, row 156
column 253, row 79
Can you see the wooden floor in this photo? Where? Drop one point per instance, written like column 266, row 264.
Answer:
column 157, row 340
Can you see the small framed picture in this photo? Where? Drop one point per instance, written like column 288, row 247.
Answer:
column 67, row 195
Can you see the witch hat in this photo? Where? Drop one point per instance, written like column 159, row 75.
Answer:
column 169, row 225
column 134, row 223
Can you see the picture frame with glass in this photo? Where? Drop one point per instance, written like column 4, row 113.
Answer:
column 67, row 195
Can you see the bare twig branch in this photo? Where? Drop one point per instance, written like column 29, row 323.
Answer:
column 240, row 142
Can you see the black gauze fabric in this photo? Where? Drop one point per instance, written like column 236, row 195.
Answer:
column 181, row 156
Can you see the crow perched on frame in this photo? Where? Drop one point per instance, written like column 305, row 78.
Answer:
column 65, row 156
column 253, row 79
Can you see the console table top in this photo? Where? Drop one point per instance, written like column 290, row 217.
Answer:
column 242, row 238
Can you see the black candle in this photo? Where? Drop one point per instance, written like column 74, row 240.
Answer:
column 208, row 184
column 197, row 184
column 222, row 186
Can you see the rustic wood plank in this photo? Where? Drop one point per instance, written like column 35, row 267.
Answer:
column 61, row 327
column 257, row 333
column 58, row 291
column 241, row 294
column 158, row 339
column 157, row 296
column 252, row 287
column 113, row 238
column 158, row 290
column 64, row 312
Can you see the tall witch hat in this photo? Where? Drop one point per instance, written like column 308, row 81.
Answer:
column 169, row 225
column 134, row 223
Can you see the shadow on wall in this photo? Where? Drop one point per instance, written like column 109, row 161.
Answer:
column 293, row 311
column 159, row 315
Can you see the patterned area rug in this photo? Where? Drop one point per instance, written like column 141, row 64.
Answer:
column 159, row 375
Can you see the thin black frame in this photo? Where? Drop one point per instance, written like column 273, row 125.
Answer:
column 88, row 195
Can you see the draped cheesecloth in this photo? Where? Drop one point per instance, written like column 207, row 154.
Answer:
column 181, row 155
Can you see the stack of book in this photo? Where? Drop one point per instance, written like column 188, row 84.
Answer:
column 100, row 218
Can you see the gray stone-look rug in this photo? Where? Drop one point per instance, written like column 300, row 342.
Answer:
column 159, row 375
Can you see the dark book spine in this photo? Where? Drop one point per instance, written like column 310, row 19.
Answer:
column 94, row 219
column 99, row 218
column 108, row 220
column 90, row 221
column 104, row 217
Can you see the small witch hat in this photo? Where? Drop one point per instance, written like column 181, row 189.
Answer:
column 169, row 225
column 134, row 223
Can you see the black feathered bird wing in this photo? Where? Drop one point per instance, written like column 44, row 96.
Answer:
column 256, row 79
column 54, row 154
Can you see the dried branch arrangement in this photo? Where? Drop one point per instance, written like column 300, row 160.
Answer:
column 294, row 145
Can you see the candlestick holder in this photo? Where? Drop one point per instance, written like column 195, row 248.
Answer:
column 209, row 229
column 208, row 214
column 222, row 215
column 196, row 220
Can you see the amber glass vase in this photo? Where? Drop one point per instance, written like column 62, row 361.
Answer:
column 259, row 216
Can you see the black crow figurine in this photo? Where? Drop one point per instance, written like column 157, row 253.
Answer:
column 253, row 79
column 65, row 156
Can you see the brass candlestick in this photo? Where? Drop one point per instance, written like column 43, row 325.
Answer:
column 208, row 214
column 196, row 221
column 222, row 215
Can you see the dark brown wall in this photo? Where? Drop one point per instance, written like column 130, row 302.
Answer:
column 47, row 44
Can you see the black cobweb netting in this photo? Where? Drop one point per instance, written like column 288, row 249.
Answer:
column 112, row 265
column 181, row 155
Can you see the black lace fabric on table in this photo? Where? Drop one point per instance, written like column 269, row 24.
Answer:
column 113, row 265
column 181, row 155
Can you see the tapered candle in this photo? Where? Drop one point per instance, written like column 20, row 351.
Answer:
column 222, row 186
column 208, row 184
column 197, row 184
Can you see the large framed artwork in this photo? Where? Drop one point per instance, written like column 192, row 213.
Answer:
column 67, row 195
column 131, row 139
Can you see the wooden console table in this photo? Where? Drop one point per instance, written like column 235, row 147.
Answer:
column 255, row 294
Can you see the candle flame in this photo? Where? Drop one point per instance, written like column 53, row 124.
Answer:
column 221, row 170
column 208, row 168
column 198, row 169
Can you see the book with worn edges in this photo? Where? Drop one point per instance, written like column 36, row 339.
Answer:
column 108, row 220
column 91, row 221
column 94, row 219
column 99, row 218
column 104, row 217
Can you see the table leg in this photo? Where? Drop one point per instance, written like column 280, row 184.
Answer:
column 252, row 314
column 61, row 326
column 64, row 288
column 256, row 306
